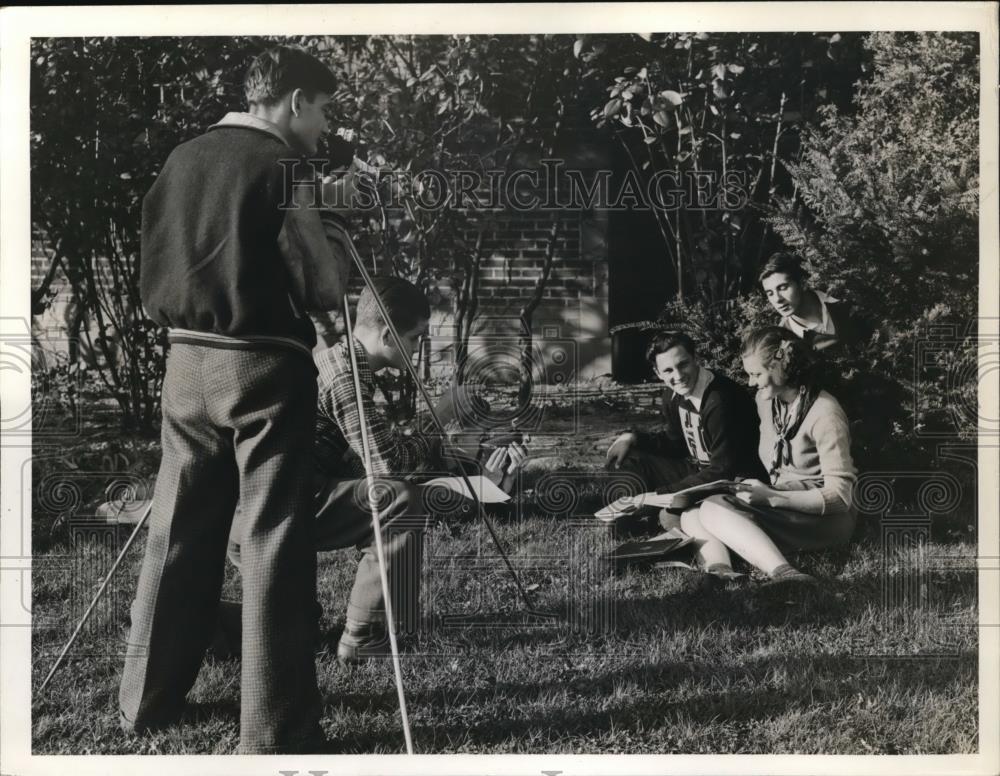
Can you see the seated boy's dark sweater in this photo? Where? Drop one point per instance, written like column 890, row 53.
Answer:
column 720, row 437
column 210, row 225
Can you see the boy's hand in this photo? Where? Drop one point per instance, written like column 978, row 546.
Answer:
column 619, row 450
column 503, row 464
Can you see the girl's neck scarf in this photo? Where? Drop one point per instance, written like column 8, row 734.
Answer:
column 787, row 419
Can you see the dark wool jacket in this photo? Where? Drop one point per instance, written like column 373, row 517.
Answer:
column 729, row 429
column 210, row 261
column 851, row 330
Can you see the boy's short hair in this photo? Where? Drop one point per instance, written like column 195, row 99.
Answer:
column 664, row 340
column 282, row 69
column 406, row 304
column 784, row 263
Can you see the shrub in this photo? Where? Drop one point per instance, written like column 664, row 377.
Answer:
column 885, row 213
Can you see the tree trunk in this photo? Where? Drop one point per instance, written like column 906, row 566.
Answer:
column 526, row 342
column 467, row 305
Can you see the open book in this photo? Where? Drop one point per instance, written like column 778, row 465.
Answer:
column 681, row 499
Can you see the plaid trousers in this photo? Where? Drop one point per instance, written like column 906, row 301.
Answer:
column 237, row 429
column 343, row 519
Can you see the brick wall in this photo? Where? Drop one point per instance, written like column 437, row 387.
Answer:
column 573, row 310
column 49, row 328
column 574, row 307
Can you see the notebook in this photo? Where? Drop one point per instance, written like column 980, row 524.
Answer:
column 650, row 550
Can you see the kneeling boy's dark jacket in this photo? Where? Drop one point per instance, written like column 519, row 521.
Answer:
column 721, row 438
column 210, row 257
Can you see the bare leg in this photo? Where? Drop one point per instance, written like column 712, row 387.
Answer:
column 711, row 551
column 741, row 535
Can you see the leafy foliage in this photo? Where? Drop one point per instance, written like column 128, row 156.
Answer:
column 105, row 113
column 884, row 209
column 861, row 153
column 887, row 214
column 890, row 194
column 728, row 105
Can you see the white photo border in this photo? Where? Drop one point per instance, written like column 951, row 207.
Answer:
column 19, row 25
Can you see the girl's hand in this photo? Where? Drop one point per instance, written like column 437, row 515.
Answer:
column 755, row 493
column 494, row 465
column 516, row 452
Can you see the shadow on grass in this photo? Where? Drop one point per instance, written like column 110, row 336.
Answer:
column 809, row 682
column 700, row 603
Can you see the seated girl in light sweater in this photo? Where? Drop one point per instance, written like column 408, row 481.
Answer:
column 805, row 446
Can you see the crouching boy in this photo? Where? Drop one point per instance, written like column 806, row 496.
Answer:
column 342, row 511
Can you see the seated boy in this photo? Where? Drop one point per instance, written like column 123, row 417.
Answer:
column 710, row 432
column 343, row 515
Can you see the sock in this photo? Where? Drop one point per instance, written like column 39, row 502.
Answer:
column 364, row 629
column 787, row 571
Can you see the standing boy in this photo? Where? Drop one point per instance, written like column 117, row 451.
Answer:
column 238, row 416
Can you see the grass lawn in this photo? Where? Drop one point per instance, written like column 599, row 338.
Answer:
column 881, row 659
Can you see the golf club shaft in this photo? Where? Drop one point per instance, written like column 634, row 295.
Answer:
column 359, row 263
column 377, row 529
column 100, row 593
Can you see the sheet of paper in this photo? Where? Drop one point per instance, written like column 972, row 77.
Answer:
column 660, row 500
column 484, row 488
column 676, row 564
column 673, row 533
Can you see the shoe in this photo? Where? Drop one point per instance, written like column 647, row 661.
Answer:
column 120, row 512
column 314, row 742
column 724, row 572
column 364, row 642
column 787, row 574
column 153, row 724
